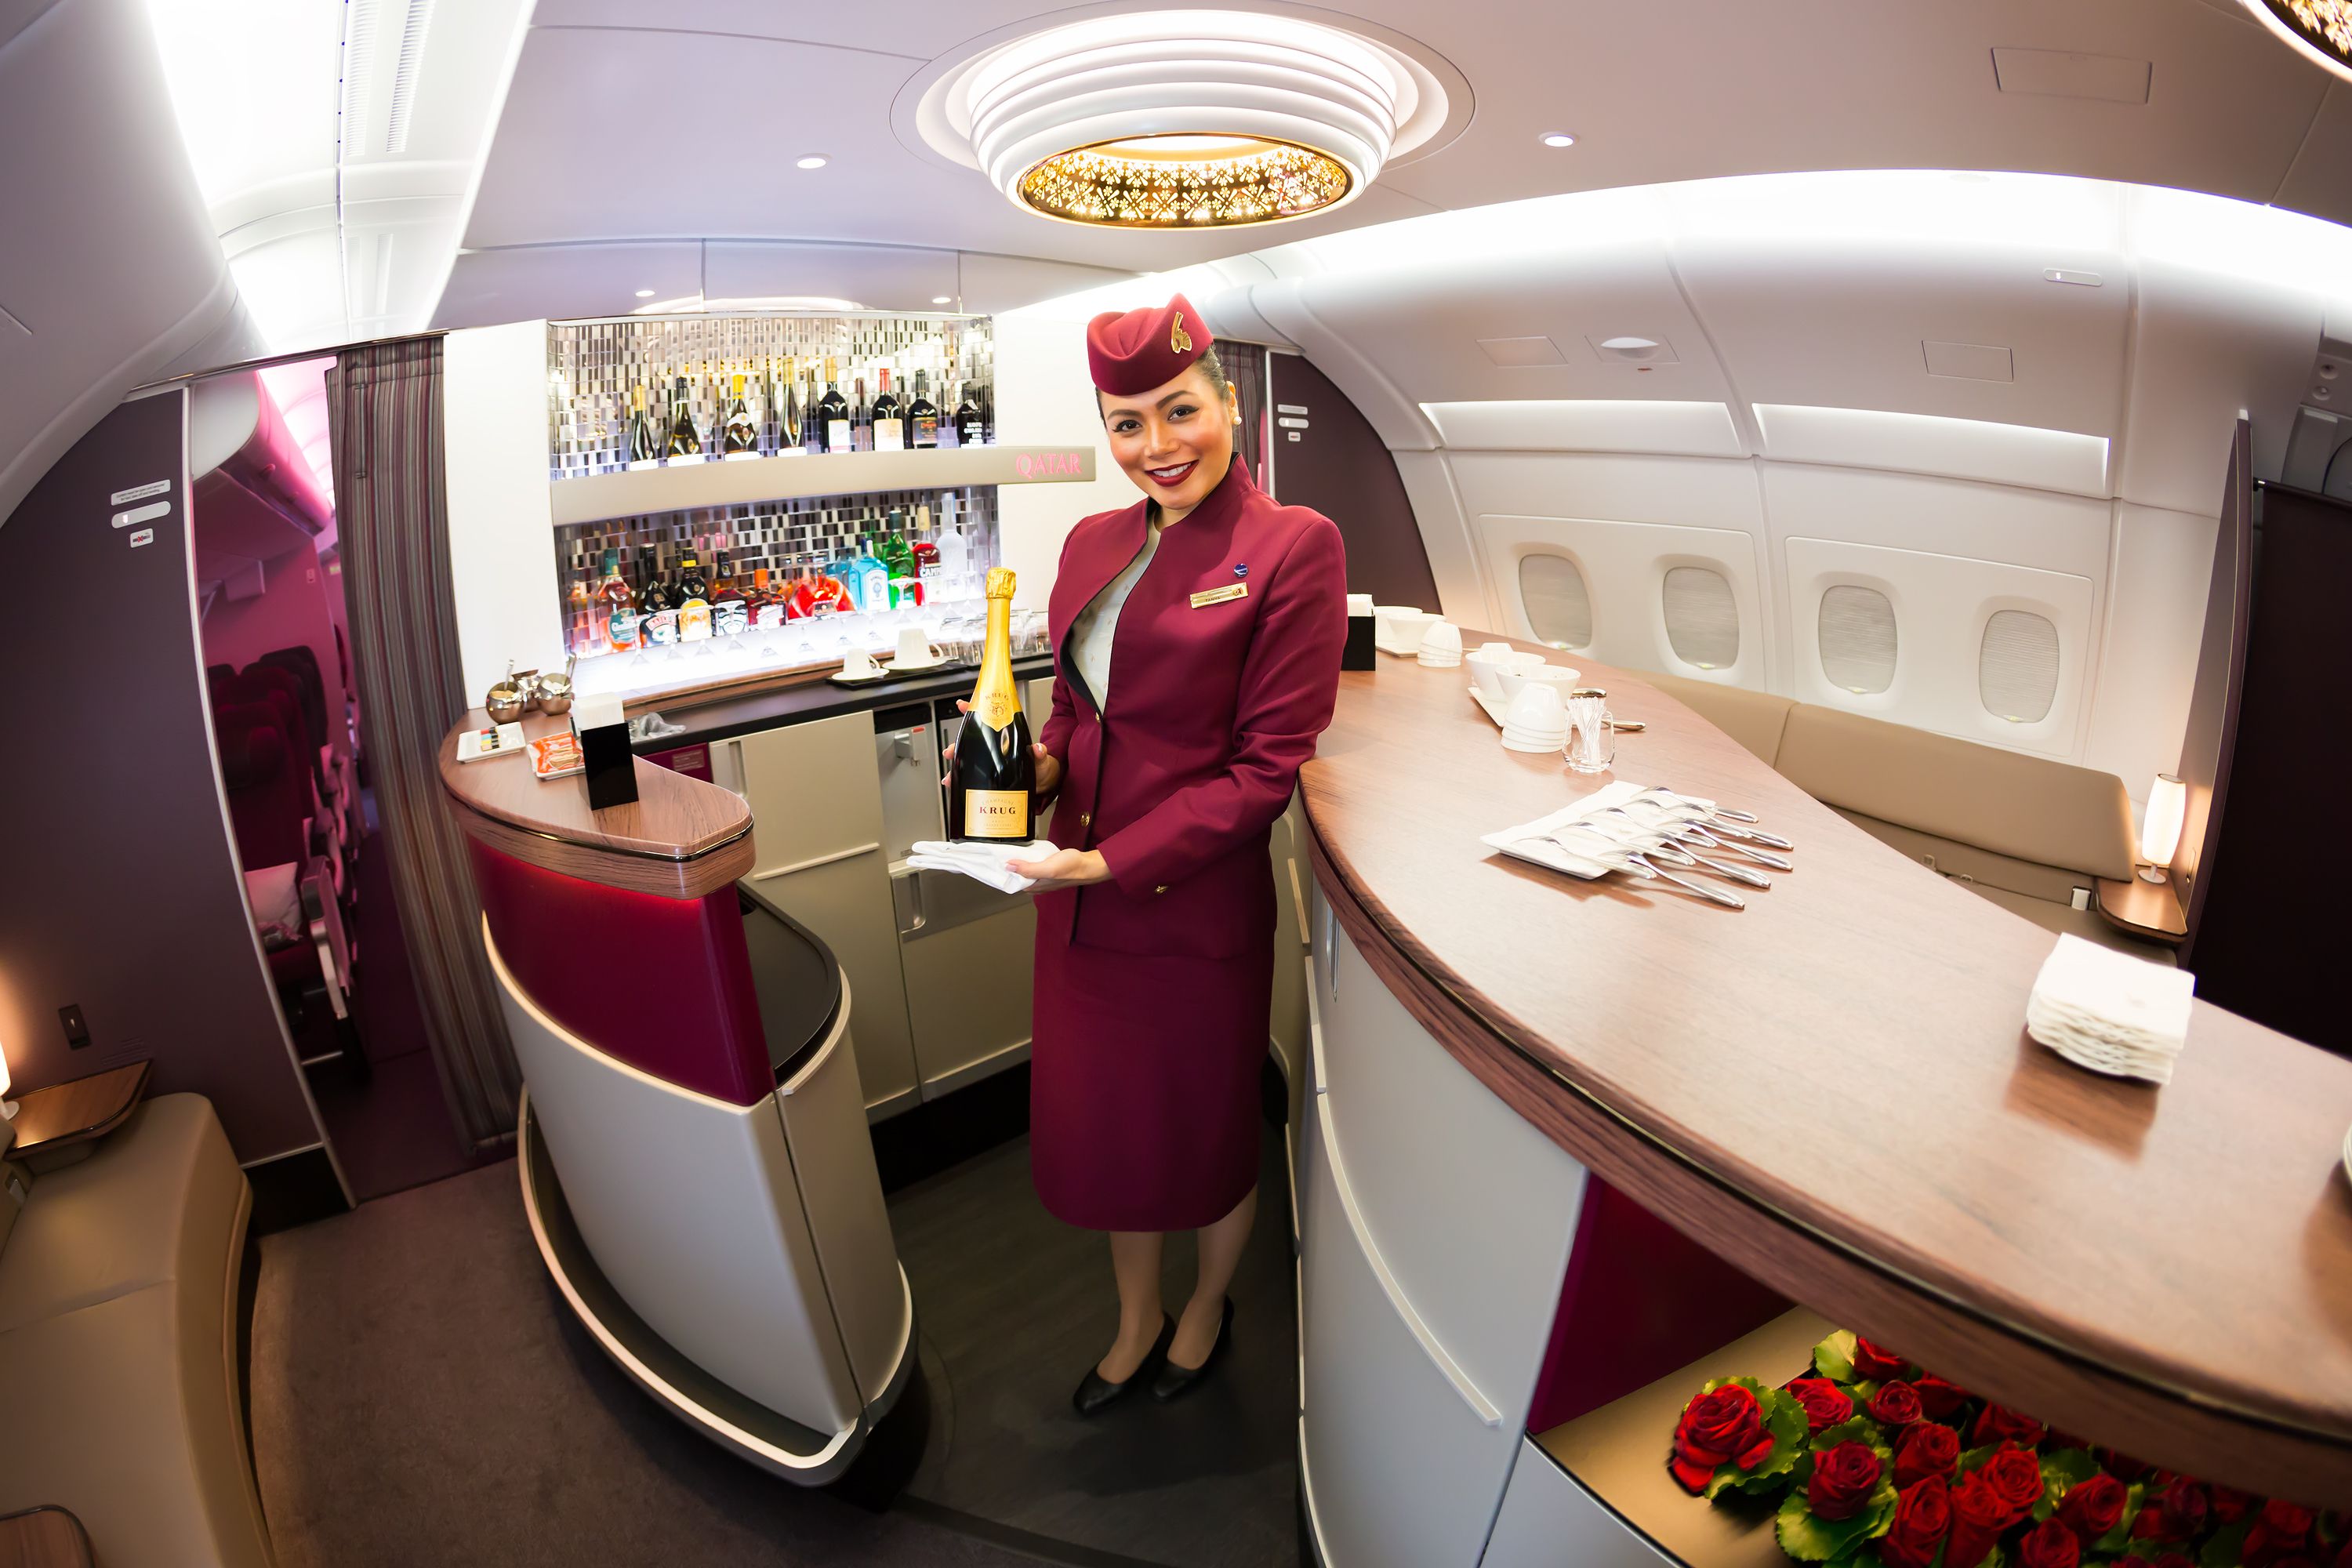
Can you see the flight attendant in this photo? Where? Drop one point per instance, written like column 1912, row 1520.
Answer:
column 1197, row 637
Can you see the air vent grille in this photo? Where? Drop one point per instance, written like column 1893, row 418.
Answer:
column 1702, row 617
column 1856, row 631
column 2017, row 667
column 1552, row 592
column 404, row 73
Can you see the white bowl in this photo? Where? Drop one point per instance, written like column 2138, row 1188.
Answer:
column 1486, row 670
column 1518, row 678
column 1537, row 710
column 1441, row 637
column 1397, row 628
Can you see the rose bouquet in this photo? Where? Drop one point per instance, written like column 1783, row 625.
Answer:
column 1867, row 1459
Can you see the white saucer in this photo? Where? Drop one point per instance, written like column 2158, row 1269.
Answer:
column 899, row 666
column 840, row 679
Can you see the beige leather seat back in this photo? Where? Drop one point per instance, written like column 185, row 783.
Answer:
column 1754, row 718
column 2024, row 824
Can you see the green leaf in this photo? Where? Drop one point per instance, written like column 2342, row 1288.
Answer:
column 1856, row 1429
column 2118, row 1540
column 2226, row 1548
column 1785, row 1422
column 1834, row 1357
column 1808, row 1537
column 1974, row 1458
column 2060, row 1470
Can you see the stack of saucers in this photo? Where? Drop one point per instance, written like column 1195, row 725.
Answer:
column 1535, row 721
column 1441, row 645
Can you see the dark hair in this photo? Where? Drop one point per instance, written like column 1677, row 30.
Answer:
column 1208, row 363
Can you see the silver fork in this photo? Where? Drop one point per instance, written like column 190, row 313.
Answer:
column 1696, row 834
column 1714, row 895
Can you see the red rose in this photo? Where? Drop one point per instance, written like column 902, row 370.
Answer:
column 2229, row 1504
column 2279, row 1532
column 2129, row 1561
column 1724, row 1427
column 1897, row 1405
column 1844, row 1476
column 2176, row 1514
column 2092, row 1506
column 1875, row 1361
column 1922, row 1517
column 1927, row 1449
column 2000, row 1424
column 2015, row 1476
column 1978, row 1516
column 1936, row 1397
column 2049, row 1544
column 1825, row 1403
column 2173, row 1559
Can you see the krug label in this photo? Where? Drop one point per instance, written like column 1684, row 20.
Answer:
column 996, row 812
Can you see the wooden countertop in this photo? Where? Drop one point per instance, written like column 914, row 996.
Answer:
column 1833, row 1088
column 681, row 838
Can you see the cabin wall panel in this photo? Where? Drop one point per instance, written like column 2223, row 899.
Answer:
column 1453, row 559
column 502, row 531
column 2148, row 662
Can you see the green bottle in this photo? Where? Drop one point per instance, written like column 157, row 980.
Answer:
column 897, row 558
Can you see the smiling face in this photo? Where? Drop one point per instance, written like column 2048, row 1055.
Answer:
column 1176, row 440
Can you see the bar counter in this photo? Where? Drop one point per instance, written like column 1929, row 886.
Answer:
column 1832, row 1089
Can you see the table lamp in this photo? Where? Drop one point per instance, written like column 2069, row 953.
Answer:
column 2160, row 831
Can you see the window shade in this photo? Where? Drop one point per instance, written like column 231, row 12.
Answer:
column 2017, row 668
column 1552, row 592
column 1702, row 618
column 1856, row 632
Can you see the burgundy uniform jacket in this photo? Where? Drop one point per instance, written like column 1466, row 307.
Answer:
column 1224, row 669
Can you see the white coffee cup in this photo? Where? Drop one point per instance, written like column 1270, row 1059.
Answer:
column 857, row 664
column 915, row 649
column 1537, row 710
column 1441, row 637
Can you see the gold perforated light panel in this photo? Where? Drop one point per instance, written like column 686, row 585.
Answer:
column 1242, row 181
column 2325, row 23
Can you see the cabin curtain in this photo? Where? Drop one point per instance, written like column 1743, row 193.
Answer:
column 1245, row 368
column 384, row 403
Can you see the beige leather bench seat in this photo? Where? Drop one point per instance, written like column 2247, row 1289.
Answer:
column 118, row 1346
column 2022, row 832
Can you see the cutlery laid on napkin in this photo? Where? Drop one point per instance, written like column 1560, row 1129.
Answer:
column 2110, row 1012
column 982, row 862
column 1629, row 830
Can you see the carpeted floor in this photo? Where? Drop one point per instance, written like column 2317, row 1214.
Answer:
column 422, row 1395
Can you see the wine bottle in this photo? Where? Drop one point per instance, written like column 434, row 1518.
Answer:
column 788, row 413
column 742, row 438
column 889, row 428
column 644, row 446
column 922, row 417
column 992, row 787
column 685, row 441
column 861, row 419
column 970, row 428
column 833, row 428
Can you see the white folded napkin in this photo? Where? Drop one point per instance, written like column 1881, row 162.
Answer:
column 2110, row 1012
column 1530, row 840
column 982, row 862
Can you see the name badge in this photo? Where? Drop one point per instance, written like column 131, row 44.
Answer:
column 1219, row 596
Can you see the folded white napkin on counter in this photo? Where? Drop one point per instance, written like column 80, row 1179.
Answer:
column 982, row 862
column 2110, row 1012
column 1531, row 840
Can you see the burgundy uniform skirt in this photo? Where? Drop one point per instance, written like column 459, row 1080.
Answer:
column 1143, row 1090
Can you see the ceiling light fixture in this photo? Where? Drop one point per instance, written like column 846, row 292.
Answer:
column 644, row 293
column 814, row 160
column 1176, row 119
column 1559, row 139
column 2319, row 30
column 940, row 300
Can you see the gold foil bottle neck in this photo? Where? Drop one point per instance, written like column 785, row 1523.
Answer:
column 1000, row 582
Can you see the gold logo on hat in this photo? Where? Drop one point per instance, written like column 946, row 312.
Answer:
column 1178, row 341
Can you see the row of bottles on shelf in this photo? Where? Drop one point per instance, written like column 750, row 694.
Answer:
column 899, row 562
column 784, row 409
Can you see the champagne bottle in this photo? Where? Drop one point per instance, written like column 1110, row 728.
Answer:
column 993, row 788
column 685, row 440
column 788, row 413
column 644, row 446
column 741, row 439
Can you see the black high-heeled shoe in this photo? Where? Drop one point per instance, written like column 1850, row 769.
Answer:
column 1174, row 1379
column 1097, row 1392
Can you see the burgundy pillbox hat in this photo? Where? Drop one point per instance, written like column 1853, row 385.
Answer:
column 1135, row 350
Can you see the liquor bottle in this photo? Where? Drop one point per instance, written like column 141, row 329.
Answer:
column 617, row 605
column 685, row 444
column 861, row 419
column 992, row 785
column 922, row 417
column 644, row 446
column 693, row 598
column 898, row 559
column 929, row 573
column 890, row 425
column 742, row 438
column 788, row 413
column 872, row 588
column 730, row 613
column 658, row 607
column 834, row 431
column 767, row 604
column 971, row 429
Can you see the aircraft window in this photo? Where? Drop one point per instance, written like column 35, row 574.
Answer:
column 1702, row 618
column 2017, row 668
column 1552, row 592
column 1857, row 639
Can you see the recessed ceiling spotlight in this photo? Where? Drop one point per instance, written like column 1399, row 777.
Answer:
column 1559, row 139
column 940, row 300
column 644, row 293
column 814, row 160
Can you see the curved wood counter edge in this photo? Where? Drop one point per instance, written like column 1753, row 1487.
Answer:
column 682, row 838
column 2164, row 1426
